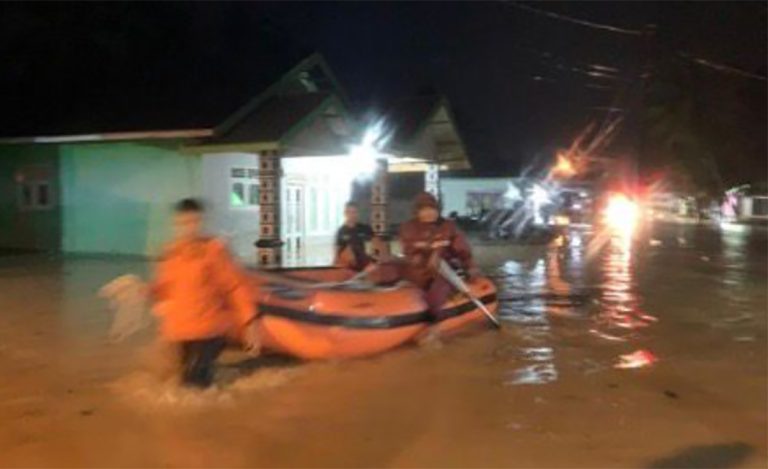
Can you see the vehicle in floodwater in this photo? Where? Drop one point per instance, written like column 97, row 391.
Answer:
column 318, row 313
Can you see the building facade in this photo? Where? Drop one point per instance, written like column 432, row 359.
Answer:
column 111, row 193
column 275, row 175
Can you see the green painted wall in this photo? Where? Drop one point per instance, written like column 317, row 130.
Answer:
column 117, row 197
column 28, row 229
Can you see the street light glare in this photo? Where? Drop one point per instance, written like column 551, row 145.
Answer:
column 365, row 154
column 621, row 214
column 540, row 195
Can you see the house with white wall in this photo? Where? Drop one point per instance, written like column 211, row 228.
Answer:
column 273, row 165
column 109, row 190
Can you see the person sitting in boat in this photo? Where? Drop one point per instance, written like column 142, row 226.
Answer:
column 427, row 239
column 350, row 241
column 201, row 296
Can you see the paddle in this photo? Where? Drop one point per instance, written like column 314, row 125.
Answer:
column 453, row 278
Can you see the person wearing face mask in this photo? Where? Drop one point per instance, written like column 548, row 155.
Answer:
column 425, row 240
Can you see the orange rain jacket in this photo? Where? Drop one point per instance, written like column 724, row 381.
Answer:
column 200, row 292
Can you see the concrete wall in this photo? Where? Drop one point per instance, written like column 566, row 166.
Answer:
column 753, row 207
column 403, row 188
column 117, row 197
column 323, row 188
column 454, row 191
column 238, row 224
column 38, row 229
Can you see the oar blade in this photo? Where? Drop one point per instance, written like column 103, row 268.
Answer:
column 453, row 278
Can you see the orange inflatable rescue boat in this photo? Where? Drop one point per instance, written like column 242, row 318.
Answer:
column 317, row 313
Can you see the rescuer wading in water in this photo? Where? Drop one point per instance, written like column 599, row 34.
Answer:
column 201, row 296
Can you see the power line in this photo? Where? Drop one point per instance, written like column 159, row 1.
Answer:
column 599, row 72
column 570, row 19
column 723, row 68
column 593, row 69
column 720, row 67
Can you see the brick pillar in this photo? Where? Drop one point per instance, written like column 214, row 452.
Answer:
column 432, row 179
column 269, row 246
column 379, row 198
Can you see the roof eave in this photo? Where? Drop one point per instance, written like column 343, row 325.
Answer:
column 111, row 136
column 244, row 147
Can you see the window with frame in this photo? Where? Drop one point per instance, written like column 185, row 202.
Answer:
column 327, row 220
column 253, row 194
column 760, row 206
column 244, row 187
column 314, row 209
column 34, row 194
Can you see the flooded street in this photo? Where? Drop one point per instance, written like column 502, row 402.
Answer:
column 644, row 354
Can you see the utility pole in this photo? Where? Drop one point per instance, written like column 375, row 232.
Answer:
column 649, row 38
column 635, row 110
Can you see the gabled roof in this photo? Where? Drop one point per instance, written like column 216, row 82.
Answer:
column 186, row 75
column 313, row 68
column 273, row 119
column 285, row 122
column 409, row 117
column 424, row 127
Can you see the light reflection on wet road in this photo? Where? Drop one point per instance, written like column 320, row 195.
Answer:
column 577, row 280
column 544, row 392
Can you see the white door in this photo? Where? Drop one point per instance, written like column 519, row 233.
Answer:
column 293, row 224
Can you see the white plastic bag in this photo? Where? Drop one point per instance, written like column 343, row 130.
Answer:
column 128, row 300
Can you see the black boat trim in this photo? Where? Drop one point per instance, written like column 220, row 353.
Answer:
column 369, row 322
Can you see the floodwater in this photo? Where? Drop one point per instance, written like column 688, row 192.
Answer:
column 644, row 354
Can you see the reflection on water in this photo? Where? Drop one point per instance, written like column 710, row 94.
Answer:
column 739, row 250
column 619, row 299
column 590, row 287
column 638, row 359
column 582, row 277
column 541, row 370
column 540, row 373
column 734, row 251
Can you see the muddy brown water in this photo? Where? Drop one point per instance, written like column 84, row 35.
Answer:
column 543, row 392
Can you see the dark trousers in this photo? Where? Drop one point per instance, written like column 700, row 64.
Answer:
column 198, row 358
column 437, row 294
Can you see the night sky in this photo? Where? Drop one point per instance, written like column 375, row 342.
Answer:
column 516, row 78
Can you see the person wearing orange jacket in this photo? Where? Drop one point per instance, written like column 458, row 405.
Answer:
column 201, row 296
column 427, row 239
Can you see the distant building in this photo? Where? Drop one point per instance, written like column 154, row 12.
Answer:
column 671, row 206
column 424, row 143
column 749, row 203
column 754, row 207
column 473, row 196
